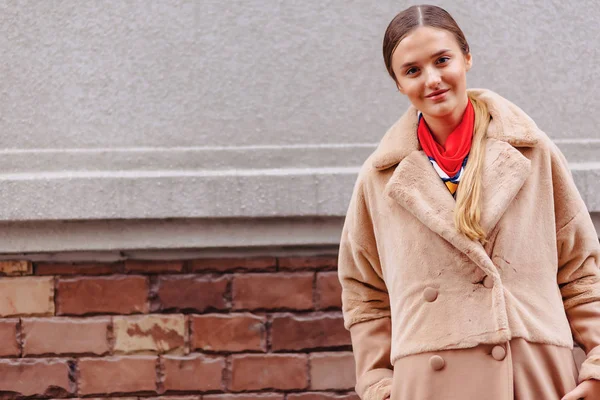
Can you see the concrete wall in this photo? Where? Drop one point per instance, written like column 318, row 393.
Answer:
column 193, row 122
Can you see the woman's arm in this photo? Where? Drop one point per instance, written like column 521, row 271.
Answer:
column 365, row 301
column 578, row 264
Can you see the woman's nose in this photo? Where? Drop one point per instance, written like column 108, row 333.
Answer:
column 433, row 78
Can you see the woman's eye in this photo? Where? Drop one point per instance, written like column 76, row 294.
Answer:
column 411, row 71
column 442, row 60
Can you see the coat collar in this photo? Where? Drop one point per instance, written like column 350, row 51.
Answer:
column 509, row 124
column 416, row 186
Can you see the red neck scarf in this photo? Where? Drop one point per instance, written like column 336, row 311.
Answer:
column 458, row 143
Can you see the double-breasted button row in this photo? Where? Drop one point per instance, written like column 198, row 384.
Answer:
column 431, row 294
column 437, row 362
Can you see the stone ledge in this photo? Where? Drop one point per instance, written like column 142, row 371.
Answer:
column 109, row 241
column 249, row 182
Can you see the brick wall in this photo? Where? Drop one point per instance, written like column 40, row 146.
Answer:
column 217, row 329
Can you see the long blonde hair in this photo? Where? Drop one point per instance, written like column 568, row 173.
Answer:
column 467, row 212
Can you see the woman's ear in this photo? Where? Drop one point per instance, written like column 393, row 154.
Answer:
column 468, row 61
column 399, row 87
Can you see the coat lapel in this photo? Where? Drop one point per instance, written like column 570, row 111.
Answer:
column 415, row 185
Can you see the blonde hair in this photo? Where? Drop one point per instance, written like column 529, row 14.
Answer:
column 467, row 212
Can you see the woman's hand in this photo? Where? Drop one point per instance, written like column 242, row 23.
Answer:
column 588, row 390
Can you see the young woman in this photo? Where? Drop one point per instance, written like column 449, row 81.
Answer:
column 468, row 260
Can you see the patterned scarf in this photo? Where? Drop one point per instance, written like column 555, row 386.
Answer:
column 449, row 162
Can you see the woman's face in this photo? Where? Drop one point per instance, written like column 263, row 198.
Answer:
column 429, row 61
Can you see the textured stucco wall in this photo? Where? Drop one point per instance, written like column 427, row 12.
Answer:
column 183, row 73
column 145, row 110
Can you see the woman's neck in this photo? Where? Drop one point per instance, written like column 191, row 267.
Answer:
column 442, row 127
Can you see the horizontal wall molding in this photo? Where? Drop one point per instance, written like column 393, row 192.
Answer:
column 211, row 182
column 198, row 198
column 171, row 239
column 207, row 236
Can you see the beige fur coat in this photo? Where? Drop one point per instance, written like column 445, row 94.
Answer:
column 412, row 280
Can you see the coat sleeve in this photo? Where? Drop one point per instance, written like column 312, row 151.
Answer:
column 578, row 264
column 365, row 301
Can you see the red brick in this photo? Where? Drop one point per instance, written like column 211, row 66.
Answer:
column 230, row 264
column 8, row 338
column 114, row 294
column 228, row 332
column 153, row 266
column 244, row 396
column 289, row 332
column 117, row 375
column 29, row 295
column 329, row 290
column 295, row 263
column 158, row 332
column 65, row 335
column 123, row 398
column 273, row 291
column 322, row 396
column 42, row 377
column 193, row 372
column 15, row 268
column 77, row 268
column 191, row 292
column 197, row 397
column 268, row 371
column 332, row 370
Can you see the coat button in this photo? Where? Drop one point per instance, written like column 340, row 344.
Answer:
column 430, row 294
column 488, row 282
column 498, row 352
column 436, row 363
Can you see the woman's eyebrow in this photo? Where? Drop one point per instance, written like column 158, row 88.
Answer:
column 437, row 53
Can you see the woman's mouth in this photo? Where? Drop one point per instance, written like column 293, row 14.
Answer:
column 437, row 95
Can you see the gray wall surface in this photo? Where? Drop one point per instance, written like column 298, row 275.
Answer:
column 147, row 110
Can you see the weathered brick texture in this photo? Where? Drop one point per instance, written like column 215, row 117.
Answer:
column 258, row 328
column 228, row 332
column 65, row 335
column 26, row 296
column 159, row 333
column 114, row 294
column 298, row 332
column 42, row 377
column 15, row 268
column 191, row 293
column 296, row 263
column 269, row 371
column 244, row 396
column 231, row 264
column 78, row 268
column 109, row 375
column 153, row 267
column 273, row 291
column 195, row 372
column 329, row 290
column 9, row 345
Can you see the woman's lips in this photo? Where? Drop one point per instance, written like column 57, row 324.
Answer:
column 440, row 94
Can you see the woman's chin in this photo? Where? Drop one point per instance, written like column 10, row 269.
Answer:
column 438, row 110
